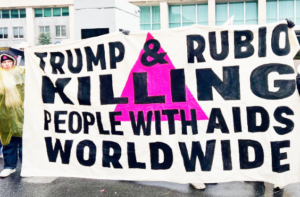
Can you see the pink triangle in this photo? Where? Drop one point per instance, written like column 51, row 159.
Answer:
column 158, row 77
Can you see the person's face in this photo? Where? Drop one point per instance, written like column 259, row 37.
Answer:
column 7, row 64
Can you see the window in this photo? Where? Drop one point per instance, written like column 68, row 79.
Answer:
column 5, row 13
column 65, row 11
column 237, row 9
column 202, row 14
column 298, row 12
column 278, row 10
column 174, row 16
column 56, row 11
column 44, row 29
column 51, row 12
column 18, row 32
column 38, row 12
column 47, row 12
column 245, row 13
column 271, row 11
column 186, row 15
column 60, row 31
column 23, row 13
column 221, row 13
column 155, row 17
column 145, row 18
column 14, row 13
column 3, row 33
column 286, row 9
column 251, row 13
column 150, row 17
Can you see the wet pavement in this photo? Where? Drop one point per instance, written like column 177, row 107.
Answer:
column 15, row 186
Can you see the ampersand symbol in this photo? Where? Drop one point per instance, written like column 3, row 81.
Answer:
column 153, row 52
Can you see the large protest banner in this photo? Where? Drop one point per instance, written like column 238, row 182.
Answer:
column 194, row 104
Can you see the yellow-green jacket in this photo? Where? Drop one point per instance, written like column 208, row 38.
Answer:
column 11, row 112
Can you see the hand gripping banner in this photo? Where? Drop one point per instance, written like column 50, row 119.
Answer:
column 193, row 104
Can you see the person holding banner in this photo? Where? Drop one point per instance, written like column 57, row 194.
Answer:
column 11, row 111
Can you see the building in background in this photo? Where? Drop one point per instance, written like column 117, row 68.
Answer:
column 23, row 20
column 163, row 14
column 98, row 17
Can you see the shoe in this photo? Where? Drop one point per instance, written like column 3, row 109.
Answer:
column 7, row 172
column 200, row 186
column 277, row 187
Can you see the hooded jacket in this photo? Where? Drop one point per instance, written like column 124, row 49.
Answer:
column 11, row 100
column 9, row 54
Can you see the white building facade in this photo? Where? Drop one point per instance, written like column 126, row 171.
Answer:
column 163, row 14
column 24, row 20
column 174, row 13
column 98, row 17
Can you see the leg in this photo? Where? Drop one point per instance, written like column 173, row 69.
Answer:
column 1, row 155
column 20, row 149
column 10, row 153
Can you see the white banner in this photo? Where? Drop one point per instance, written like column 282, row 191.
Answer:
column 193, row 104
